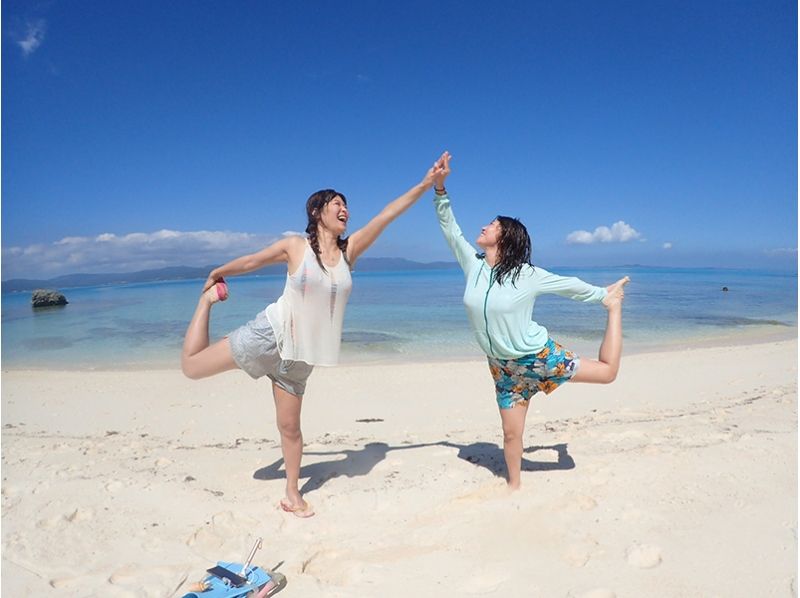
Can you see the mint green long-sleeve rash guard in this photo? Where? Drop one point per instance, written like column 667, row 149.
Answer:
column 501, row 314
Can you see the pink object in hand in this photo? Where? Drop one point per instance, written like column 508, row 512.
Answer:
column 222, row 290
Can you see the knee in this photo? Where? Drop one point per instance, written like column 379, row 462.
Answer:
column 604, row 373
column 511, row 436
column 610, row 376
column 290, row 430
column 189, row 369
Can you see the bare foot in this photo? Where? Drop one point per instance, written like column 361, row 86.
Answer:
column 300, row 509
column 294, row 499
column 218, row 292
column 616, row 293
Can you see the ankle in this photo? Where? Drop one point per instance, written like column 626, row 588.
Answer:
column 294, row 495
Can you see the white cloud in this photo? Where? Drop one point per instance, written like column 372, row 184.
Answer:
column 33, row 37
column 782, row 251
column 70, row 241
column 620, row 232
column 667, row 245
column 111, row 253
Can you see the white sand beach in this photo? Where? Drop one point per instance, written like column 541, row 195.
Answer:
column 680, row 479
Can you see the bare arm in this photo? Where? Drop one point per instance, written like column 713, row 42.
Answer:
column 361, row 240
column 280, row 251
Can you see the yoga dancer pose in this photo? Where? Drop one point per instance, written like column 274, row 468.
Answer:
column 502, row 286
column 303, row 328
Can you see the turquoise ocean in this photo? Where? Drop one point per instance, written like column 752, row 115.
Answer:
column 398, row 316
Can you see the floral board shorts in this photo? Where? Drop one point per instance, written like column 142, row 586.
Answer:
column 517, row 380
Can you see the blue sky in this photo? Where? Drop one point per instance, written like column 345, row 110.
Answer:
column 144, row 134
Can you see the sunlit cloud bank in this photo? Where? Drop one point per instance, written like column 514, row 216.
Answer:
column 110, row 253
column 619, row 232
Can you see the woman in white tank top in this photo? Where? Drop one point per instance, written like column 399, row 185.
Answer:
column 303, row 328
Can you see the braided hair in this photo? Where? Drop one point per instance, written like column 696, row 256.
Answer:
column 513, row 250
column 314, row 207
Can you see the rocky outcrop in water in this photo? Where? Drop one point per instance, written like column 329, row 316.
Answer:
column 47, row 298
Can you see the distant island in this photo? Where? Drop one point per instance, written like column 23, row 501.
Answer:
column 365, row 264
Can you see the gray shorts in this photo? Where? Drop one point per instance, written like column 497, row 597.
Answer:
column 255, row 351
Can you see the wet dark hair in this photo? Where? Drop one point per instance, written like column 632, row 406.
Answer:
column 314, row 207
column 513, row 250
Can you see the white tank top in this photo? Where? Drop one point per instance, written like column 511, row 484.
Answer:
column 307, row 318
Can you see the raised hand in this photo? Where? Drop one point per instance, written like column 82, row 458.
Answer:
column 433, row 173
column 210, row 282
column 441, row 170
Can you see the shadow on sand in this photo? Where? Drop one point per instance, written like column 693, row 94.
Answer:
column 360, row 462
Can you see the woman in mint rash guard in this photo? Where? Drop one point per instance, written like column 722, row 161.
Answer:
column 501, row 288
column 303, row 328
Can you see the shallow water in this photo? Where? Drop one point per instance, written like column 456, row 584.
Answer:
column 416, row 315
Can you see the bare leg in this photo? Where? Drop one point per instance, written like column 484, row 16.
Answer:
column 604, row 369
column 199, row 359
column 513, row 426
column 287, row 412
